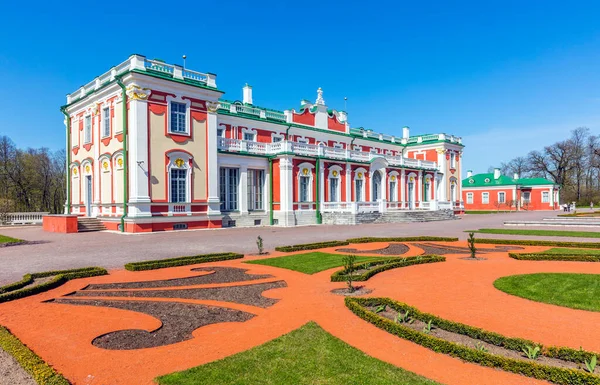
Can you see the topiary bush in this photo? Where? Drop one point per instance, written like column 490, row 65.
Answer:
column 554, row 257
column 311, row 246
column 401, row 239
column 527, row 242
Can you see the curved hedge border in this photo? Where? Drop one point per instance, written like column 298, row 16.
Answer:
column 181, row 261
column 311, row 246
column 401, row 239
column 527, row 242
column 41, row 372
column 15, row 290
column 380, row 266
column 554, row 257
column 527, row 368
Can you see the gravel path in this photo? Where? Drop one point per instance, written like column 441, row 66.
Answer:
column 113, row 250
column 11, row 373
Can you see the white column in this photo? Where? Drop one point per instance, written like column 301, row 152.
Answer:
column 96, row 167
column 286, row 204
column 321, row 192
column 348, row 182
column 419, row 188
column 433, row 193
column 402, row 187
column 243, row 190
column 444, row 169
column 137, row 142
column 384, row 190
column 212, row 166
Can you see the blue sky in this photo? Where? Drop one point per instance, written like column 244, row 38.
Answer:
column 507, row 76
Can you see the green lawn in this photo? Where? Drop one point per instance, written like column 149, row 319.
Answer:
column 561, row 250
column 309, row 263
column 577, row 291
column 4, row 239
column 549, row 233
column 306, row 356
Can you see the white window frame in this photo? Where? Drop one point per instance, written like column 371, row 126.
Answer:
column 503, row 197
column 338, row 192
column 362, row 190
column 470, row 197
column 187, row 122
column 106, row 123
column 187, row 158
column 87, row 129
column 452, row 160
column 275, row 135
column 251, row 133
column 253, row 195
column 393, row 192
column 485, row 198
column 226, row 203
column 309, row 193
column 547, row 199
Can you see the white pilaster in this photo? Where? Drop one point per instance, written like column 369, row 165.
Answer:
column 286, row 204
column 348, row 182
column 321, row 192
column 444, row 181
column 243, row 189
column 96, row 167
column 213, row 167
column 139, row 195
column 419, row 189
column 402, row 187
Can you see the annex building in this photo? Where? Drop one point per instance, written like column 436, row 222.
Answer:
column 153, row 146
column 493, row 191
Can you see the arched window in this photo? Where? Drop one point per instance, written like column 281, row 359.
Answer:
column 179, row 176
column 334, row 183
column 393, row 186
column 305, row 180
column 359, row 184
column 376, row 186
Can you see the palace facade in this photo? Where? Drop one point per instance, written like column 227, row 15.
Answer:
column 153, row 146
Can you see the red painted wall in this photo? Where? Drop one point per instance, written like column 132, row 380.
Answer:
column 335, row 125
column 535, row 199
column 304, row 118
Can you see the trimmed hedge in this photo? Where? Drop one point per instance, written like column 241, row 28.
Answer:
column 527, row 242
column 311, row 246
column 401, row 239
column 380, row 266
column 14, row 290
column 41, row 372
column 527, row 368
column 554, row 257
column 181, row 261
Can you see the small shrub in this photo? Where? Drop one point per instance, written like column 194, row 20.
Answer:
column 428, row 327
column 259, row 245
column 404, row 318
column 591, row 364
column 380, row 308
column 481, row 347
column 349, row 267
column 471, row 243
column 532, row 352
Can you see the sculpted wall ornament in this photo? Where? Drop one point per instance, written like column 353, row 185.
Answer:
column 136, row 92
column 212, row 106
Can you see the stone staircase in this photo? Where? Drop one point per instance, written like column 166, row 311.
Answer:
column 86, row 224
column 343, row 218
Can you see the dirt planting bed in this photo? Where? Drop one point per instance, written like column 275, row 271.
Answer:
column 392, row 249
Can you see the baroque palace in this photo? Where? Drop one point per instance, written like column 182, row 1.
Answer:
column 153, row 146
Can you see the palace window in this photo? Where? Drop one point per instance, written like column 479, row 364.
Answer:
column 229, row 182
column 545, row 197
column 526, row 197
column 277, row 139
column 334, row 189
column 502, row 197
column 426, row 191
column 178, row 185
column 470, row 198
column 393, row 190
column 302, row 140
column 485, row 198
column 178, row 114
column 452, row 160
column 220, row 132
column 256, row 180
column 106, row 122
column 250, row 136
column 358, row 186
column 87, row 130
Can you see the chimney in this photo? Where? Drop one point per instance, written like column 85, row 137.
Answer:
column 247, row 94
column 469, row 173
column 496, row 173
column 516, row 176
column 405, row 132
